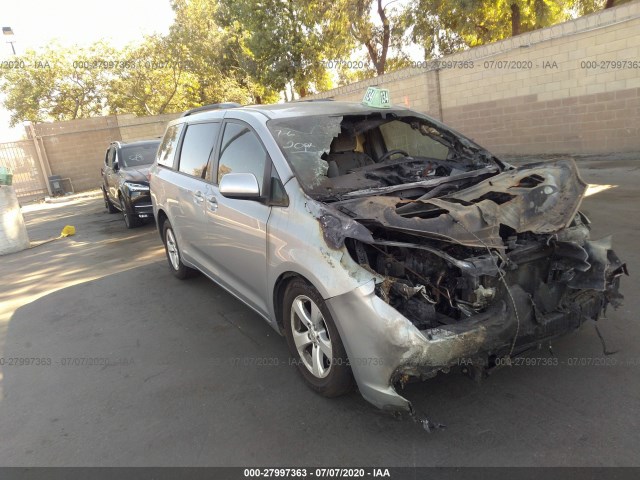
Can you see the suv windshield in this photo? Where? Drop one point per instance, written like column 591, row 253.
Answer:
column 334, row 155
column 137, row 155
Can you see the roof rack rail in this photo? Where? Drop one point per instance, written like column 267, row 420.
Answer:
column 329, row 99
column 213, row 106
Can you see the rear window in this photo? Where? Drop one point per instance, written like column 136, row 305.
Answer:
column 168, row 146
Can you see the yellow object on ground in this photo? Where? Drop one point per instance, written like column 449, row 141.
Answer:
column 68, row 231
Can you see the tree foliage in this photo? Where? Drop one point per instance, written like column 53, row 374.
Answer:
column 214, row 55
column 584, row 7
column 55, row 84
column 445, row 26
column 153, row 78
column 378, row 26
column 284, row 42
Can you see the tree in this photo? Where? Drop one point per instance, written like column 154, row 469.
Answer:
column 450, row 25
column 56, row 83
column 214, row 54
column 432, row 31
column 153, row 78
column 283, row 43
column 584, row 7
column 379, row 28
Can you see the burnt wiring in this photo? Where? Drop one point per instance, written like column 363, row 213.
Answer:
column 425, row 280
column 501, row 275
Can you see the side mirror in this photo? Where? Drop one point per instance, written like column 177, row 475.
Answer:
column 240, row 185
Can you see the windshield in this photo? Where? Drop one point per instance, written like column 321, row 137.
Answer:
column 138, row 155
column 335, row 155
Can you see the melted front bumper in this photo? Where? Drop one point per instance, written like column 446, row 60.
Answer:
column 383, row 346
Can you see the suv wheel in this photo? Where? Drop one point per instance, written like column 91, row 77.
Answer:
column 314, row 342
column 107, row 203
column 178, row 268
column 130, row 220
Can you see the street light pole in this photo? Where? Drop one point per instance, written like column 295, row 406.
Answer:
column 9, row 32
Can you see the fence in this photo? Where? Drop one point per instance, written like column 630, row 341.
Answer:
column 22, row 159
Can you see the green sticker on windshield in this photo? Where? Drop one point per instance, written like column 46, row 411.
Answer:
column 377, row 98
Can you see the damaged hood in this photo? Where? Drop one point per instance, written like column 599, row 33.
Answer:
column 540, row 198
column 136, row 174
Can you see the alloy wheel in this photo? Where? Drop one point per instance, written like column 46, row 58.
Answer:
column 311, row 336
column 172, row 250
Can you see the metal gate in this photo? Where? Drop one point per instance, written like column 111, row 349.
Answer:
column 21, row 158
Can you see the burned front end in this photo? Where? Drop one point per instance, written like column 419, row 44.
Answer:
column 469, row 259
column 484, row 266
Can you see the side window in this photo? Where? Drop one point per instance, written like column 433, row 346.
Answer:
column 278, row 195
column 241, row 152
column 197, row 146
column 167, row 149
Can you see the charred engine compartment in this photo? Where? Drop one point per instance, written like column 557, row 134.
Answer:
column 423, row 286
column 434, row 283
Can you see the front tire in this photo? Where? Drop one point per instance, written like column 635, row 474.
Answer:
column 314, row 341
column 130, row 220
column 107, row 203
column 174, row 258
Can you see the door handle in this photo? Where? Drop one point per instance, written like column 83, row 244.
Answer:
column 213, row 202
column 197, row 196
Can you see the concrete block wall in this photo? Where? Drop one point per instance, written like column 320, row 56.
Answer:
column 76, row 149
column 570, row 88
column 571, row 96
column 134, row 128
column 411, row 87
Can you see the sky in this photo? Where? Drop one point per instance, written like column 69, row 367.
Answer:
column 35, row 23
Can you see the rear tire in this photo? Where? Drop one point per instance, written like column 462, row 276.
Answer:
column 174, row 257
column 314, row 341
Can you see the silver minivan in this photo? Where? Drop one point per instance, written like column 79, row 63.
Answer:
column 382, row 244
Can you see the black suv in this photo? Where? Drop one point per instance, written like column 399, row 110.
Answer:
column 125, row 183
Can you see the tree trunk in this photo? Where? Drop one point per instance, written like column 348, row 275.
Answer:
column 386, row 36
column 609, row 4
column 515, row 20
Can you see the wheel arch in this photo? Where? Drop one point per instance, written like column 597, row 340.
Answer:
column 161, row 217
column 279, row 290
